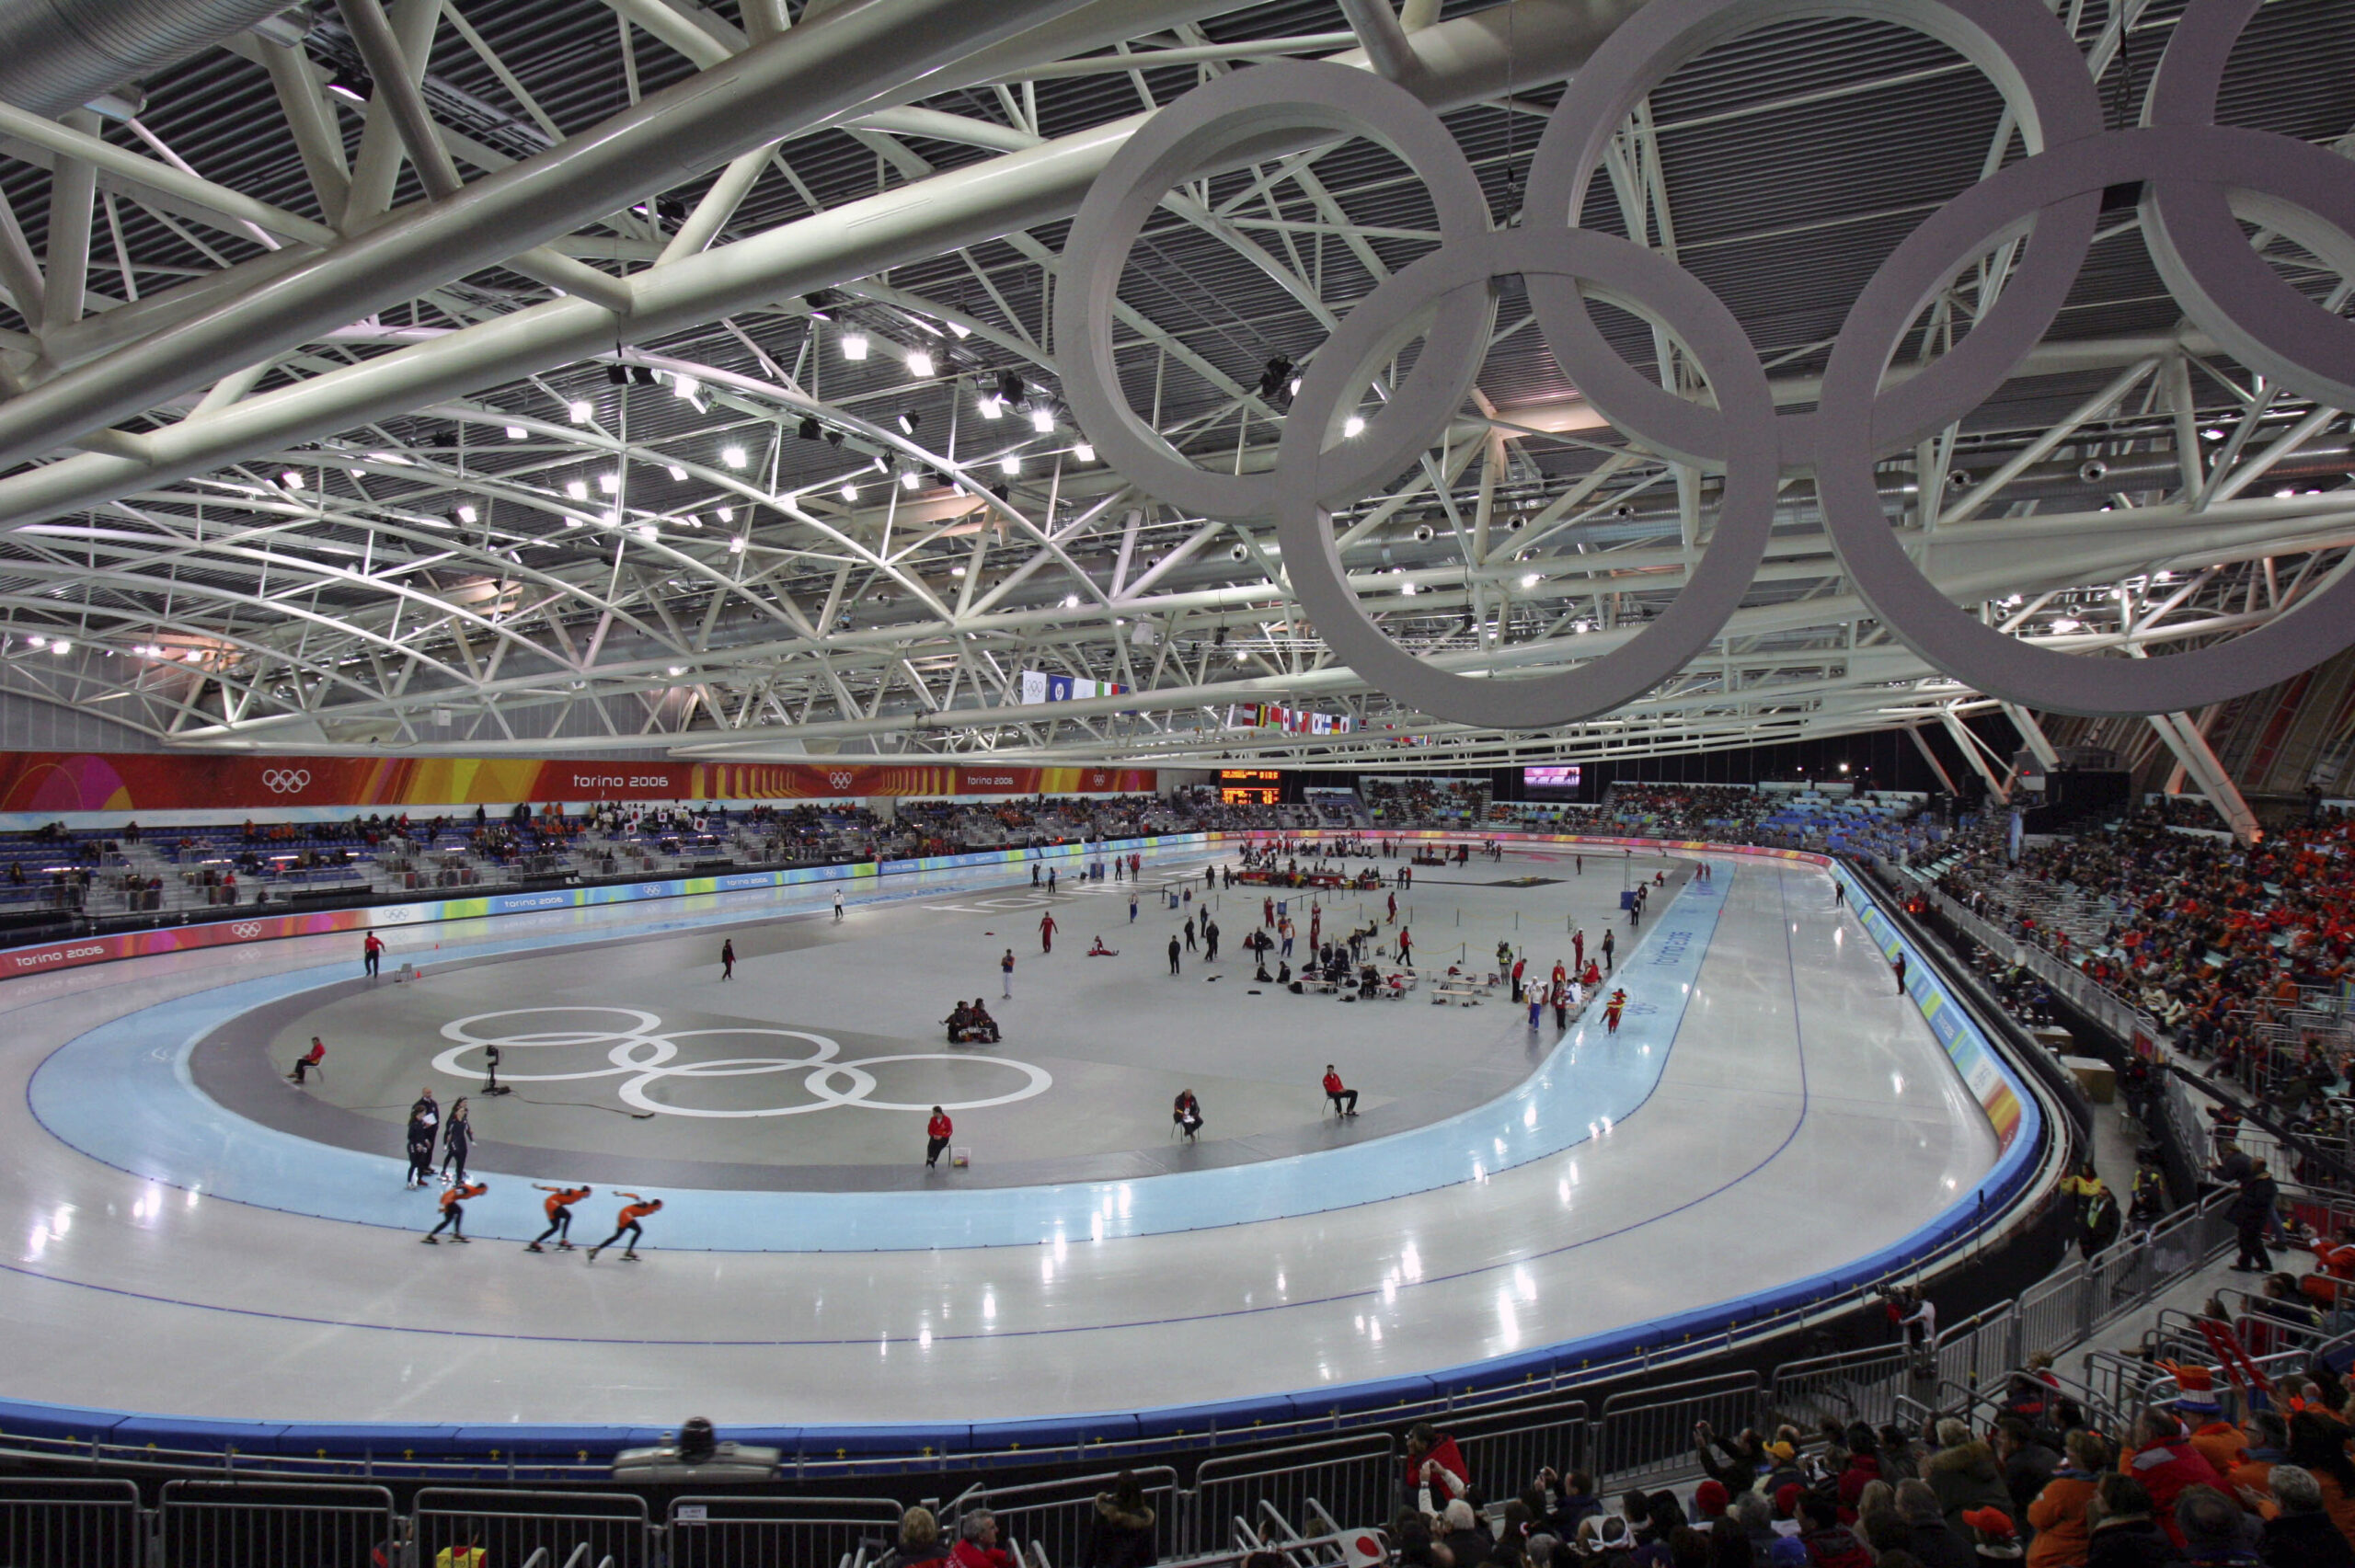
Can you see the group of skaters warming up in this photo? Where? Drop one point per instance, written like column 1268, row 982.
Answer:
column 557, row 1206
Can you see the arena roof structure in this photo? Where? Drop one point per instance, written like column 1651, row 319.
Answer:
column 544, row 376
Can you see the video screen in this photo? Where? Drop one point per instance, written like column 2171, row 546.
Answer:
column 1550, row 780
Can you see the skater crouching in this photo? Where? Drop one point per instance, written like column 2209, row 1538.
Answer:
column 626, row 1224
column 453, row 1212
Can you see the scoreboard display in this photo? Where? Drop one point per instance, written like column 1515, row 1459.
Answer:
column 1250, row 786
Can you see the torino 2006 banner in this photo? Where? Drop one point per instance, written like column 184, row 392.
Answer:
column 64, row 781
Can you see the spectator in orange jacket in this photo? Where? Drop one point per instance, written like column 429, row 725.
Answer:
column 2058, row 1515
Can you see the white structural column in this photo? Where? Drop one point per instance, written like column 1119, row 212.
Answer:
column 2033, row 733
column 1976, row 754
column 1913, row 733
column 2191, row 748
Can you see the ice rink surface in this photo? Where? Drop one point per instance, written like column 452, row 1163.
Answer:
column 1771, row 1108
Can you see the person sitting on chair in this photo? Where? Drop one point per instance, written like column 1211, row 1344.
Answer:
column 1187, row 1114
column 980, row 1025
column 960, row 1024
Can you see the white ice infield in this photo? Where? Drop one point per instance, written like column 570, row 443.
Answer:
column 2036, row 219
column 643, row 1054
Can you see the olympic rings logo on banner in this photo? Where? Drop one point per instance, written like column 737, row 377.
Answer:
column 840, row 781
column 643, row 1054
column 2199, row 181
column 245, row 931
column 286, row 780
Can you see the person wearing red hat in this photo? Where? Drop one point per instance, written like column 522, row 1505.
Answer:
column 2219, row 1441
column 1997, row 1542
column 1710, row 1500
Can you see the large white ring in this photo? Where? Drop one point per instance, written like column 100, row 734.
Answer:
column 1248, row 114
column 2199, row 181
column 2016, row 43
column 1741, row 428
column 642, row 1054
column 1851, row 433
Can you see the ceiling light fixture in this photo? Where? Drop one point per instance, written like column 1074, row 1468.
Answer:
column 581, row 410
column 854, row 344
column 1042, row 419
column 1010, row 463
column 576, row 489
column 920, row 364
column 1083, row 451
column 685, row 386
column 610, row 483
column 516, row 433
column 291, row 479
column 733, row 456
column 992, row 408
column 675, row 472
column 467, row 512
column 728, row 514
column 1352, row 427
column 850, row 491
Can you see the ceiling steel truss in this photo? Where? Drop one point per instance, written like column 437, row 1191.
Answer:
column 538, row 375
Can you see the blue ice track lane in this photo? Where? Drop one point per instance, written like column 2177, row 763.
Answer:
column 123, row 1094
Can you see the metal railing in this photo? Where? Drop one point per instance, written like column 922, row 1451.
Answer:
column 2111, row 1011
column 200, row 1524
column 755, row 1532
column 1645, row 1437
column 1059, row 1516
column 1351, row 1478
column 72, row 1524
column 576, row 1530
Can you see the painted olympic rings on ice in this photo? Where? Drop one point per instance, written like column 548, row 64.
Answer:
column 2199, row 182
column 643, row 1054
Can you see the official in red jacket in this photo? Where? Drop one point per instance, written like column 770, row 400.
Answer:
column 937, row 1133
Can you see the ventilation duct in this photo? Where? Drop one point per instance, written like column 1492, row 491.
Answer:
column 57, row 55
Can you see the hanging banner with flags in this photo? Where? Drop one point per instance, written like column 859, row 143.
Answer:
column 1039, row 686
column 1292, row 721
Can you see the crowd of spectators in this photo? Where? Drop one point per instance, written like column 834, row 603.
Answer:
column 2215, row 939
column 1724, row 812
column 1407, row 801
column 2039, row 1486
